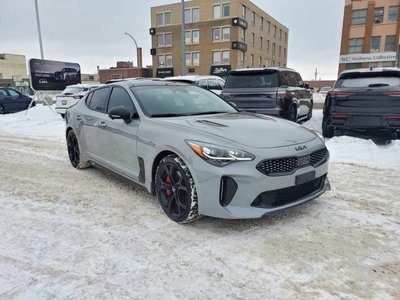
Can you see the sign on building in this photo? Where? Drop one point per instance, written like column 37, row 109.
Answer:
column 370, row 57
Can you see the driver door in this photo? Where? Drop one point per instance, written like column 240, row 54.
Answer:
column 17, row 101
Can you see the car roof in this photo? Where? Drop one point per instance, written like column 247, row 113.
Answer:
column 147, row 82
column 83, row 85
column 192, row 78
column 261, row 70
column 371, row 70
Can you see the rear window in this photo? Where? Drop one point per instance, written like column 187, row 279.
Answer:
column 252, row 80
column 73, row 90
column 361, row 80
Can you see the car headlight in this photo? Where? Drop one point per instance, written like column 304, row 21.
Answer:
column 219, row 156
column 319, row 135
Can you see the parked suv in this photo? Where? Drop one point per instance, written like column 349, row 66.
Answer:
column 71, row 95
column 364, row 100
column 269, row 91
column 211, row 83
column 67, row 74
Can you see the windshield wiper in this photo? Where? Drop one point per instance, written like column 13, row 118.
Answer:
column 167, row 115
column 378, row 84
column 208, row 113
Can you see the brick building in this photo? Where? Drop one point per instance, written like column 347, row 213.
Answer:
column 370, row 34
column 220, row 35
column 123, row 70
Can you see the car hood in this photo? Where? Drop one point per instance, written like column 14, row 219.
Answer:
column 247, row 129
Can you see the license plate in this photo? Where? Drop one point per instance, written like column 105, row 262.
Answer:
column 304, row 178
column 366, row 120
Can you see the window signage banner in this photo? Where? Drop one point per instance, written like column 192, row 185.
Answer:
column 220, row 70
column 370, row 57
column 165, row 72
column 49, row 75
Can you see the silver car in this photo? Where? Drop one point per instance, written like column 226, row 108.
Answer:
column 196, row 152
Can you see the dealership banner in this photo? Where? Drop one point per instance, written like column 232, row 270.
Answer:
column 49, row 75
column 370, row 57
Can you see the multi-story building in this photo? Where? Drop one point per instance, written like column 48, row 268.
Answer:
column 370, row 34
column 219, row 35
column 12, row 65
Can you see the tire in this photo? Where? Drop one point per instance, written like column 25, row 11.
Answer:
column 310, row 112
column 176, row 190
column 293, row 113
column 75, row 156
column 2, row 111
column 327, row 131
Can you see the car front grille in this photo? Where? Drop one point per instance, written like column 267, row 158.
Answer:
column 288, row 195
column 287, row 165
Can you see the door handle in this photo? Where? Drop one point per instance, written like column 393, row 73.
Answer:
column 102, row 124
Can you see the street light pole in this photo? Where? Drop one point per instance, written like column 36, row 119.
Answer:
column 137, row 51
column 183, row 39
column 39, row 30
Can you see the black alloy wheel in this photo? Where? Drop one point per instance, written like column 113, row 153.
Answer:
column 327, row 130
column 2, row 112
column 74, row 153
column 176, row 190
column 293, row 113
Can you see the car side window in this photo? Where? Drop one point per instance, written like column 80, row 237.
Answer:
column 13, row 93
column 88, row 98
column 221, row 83
column 120, row 97
column 299, row 79
column 99, row 100
column 289, row 79
column 3, row 92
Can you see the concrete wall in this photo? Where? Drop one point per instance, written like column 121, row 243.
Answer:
column 12, row 65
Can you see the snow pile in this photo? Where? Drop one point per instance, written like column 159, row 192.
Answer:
column 39, row 122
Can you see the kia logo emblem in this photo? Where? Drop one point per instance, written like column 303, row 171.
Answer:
column 300, row 148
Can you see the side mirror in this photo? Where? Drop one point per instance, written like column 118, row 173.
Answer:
column 306, row 86
column 121, row 113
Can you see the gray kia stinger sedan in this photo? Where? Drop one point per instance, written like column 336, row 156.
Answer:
column 195, row 151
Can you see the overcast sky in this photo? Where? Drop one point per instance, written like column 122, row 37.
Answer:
column 91, row 32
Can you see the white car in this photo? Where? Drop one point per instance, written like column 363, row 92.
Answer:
column 214, row 84
column 71, row 95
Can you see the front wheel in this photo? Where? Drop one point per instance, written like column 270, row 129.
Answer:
column 293, row 113
column 176, row 190
column 2, row 112
column 327, row 130
column 74, row 152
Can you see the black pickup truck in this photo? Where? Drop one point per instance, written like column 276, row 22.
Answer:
column 364, row 101
column 270, row 91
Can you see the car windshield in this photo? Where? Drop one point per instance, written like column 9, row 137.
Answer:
column 252, row 80
column 73, row 90
column 175, row 101
column 369, row 80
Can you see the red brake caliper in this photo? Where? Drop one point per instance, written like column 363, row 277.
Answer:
column 168, row 180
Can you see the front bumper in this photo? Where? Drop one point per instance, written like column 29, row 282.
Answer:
column 251, row 183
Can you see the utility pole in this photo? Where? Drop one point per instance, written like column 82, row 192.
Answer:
column 183, row 39
column 139, row 60
column 316, row 74
column 39, row 30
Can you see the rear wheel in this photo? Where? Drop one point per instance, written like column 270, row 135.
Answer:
column 74, row 152
column 310, row 112
column 327, row 130
column 2, row 112
column 176, row 190
column 293, row 113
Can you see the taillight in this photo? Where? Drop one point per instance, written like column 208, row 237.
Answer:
column 394, row 117
column 282, row 94
column 392, row 93
column 339, row 116
column 333, row 93
column 78, row 97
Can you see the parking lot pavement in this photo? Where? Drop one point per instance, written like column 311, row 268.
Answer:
column 67, row 233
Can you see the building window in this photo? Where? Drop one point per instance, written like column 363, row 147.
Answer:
column 216, row 34
column 244, row 12
column 275, row 31
column 226, row 34
column 358, row 16
column 388, row 64
column 196, row 58
column 160, row 40
column 253, row 18
column 226, row 10
column 195, row 37
column 280, row 51
column 216, row 58
column 168, row 40
column 188, row 59
column 168, row 60
column 161, row 61
column 261, row 42
column 269, row 27
column 225, row 57
column 273, row 49
column 252, row 39
column 241, row 53
column 242, row 34
column 284, row 52
column 393, row 13
column 390, row 43
column 353, row 66
column 217, row 14
column 285, row 37
column 252, row 60
column 268, row 46
column 280, row 35
column 375, row 44
column 373, row 65
column 356, row 45
column 188, row 15
column 262, row 23
column 163, row 18
column 195, row 14
column 260, row 60
column 188, row 37
column 378, row 15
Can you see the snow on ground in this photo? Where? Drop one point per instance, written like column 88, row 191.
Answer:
column 318, row 97
column 67, row 233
